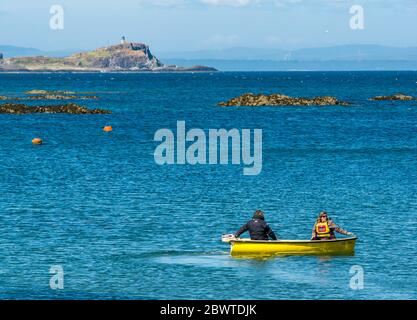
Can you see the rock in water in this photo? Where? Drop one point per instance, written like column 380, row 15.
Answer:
column 257, row 100
column 70, row 108
column 395, row 97
column 45, row 92
column 59, row 97
column 55, row 95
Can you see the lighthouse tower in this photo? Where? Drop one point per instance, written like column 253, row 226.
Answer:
column 123, row 41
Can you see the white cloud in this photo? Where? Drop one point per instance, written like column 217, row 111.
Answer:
column 276, row 3
column 284, row 3
column 183, row 3
column 230, row 3
column 163, row 3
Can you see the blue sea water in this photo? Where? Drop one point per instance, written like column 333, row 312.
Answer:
column 123, row 227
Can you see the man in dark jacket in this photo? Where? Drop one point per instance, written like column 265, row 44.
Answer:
column 258, row 228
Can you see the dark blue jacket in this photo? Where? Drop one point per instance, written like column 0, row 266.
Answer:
column 258, row 230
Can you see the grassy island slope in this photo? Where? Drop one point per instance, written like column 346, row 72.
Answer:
column 128, row 56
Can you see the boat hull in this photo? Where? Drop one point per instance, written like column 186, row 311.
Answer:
column 243, row 247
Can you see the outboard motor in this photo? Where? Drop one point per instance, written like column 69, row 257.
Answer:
column 228, row 237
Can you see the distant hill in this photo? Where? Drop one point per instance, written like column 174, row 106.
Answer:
column 237, row 53
column 342, row 52
column 355, row 53
column 276, row 65
column 344, row 57
column 13, row 51
column 127, row 56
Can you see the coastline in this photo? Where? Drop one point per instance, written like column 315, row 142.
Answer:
column 105, row 72
column 202, row 71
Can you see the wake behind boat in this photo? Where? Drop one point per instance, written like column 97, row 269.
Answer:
column 247, row 247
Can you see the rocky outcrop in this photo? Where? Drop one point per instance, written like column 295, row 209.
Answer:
column 395, row 97
column 257, row 100
column 36, row 91
column 55, row 95
column 50, row 95
column 59, row 97
column 186, row 69
column 128, row 56
column 71, row 108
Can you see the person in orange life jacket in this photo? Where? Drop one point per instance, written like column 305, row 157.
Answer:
column 258, row 228
column 325, row 228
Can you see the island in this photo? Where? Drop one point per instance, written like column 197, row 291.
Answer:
column 123, row 57
column 50, row 95
column 257, row 100
column 37, row 94
column 70, row 108
column 395, row 97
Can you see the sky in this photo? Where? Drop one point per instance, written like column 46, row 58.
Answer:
column 189, row 25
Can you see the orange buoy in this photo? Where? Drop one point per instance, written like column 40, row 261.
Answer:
column 108, row 128
column 37, row 141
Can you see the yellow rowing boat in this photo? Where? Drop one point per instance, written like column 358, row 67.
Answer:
column 247, row 247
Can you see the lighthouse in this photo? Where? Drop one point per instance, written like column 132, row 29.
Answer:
column 123, row 41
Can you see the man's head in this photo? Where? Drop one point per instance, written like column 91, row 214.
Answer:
column 259, row 215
